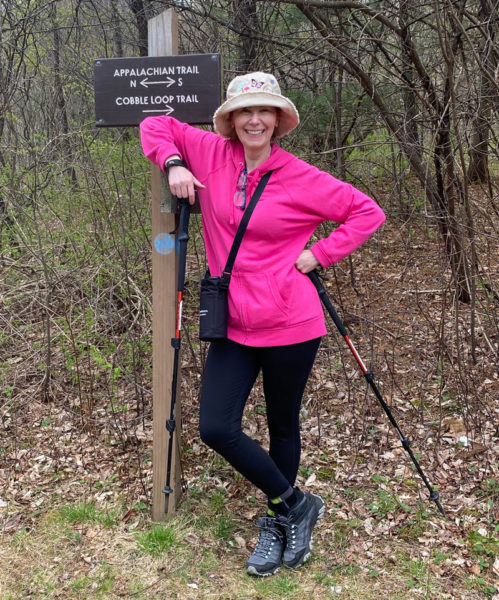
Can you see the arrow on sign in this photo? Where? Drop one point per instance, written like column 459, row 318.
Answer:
column 167, row 110
column 145, row 82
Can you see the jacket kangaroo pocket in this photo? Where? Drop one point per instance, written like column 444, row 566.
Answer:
column 257, row 302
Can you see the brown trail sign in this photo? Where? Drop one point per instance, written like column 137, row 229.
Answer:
column 127, row 90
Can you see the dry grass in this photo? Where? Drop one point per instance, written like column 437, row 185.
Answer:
column 73, row 560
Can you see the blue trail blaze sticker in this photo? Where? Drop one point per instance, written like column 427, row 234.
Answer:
column 164, row 243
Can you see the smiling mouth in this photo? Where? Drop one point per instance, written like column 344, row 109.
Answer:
column 259, row 132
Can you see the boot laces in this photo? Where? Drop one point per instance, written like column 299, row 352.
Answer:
column 290, row 529
column 267, row 536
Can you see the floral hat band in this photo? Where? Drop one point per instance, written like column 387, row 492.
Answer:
column 255, row 89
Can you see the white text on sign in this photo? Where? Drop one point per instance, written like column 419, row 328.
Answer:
column 150, row 100
column 150, row 71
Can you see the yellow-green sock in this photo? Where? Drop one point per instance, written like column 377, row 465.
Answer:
column 282, row 503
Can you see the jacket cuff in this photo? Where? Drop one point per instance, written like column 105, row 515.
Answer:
column 323, row 258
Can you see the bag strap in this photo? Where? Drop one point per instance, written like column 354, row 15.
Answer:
column 242, row 228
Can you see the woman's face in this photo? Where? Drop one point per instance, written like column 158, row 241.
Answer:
column 255, row 125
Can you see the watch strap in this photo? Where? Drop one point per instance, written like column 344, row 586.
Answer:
column 174, row 162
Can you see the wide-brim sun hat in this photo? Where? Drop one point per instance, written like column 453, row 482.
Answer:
column 255, row 89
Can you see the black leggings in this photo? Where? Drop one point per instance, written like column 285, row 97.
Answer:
column 230, row 372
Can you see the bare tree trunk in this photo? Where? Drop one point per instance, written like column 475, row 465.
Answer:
column 246, row 24
column 478, row 169
column 117, row 36
column 61, row 109
column 15, row 36
column 138, row 9
column 408, row 93
column 337, row 87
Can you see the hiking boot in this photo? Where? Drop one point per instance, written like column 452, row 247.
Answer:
column 298, row 525
column 267, row 555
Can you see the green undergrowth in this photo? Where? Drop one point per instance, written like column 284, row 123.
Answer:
column 87, row 550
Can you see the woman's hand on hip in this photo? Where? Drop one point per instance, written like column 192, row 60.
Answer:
column 183, row 183
column 306, row 262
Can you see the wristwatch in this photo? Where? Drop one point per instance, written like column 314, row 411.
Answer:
column 174, row 162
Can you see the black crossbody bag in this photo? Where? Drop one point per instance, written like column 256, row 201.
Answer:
column 214, row 308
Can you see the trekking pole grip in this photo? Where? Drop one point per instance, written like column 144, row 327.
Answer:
column 315, row 279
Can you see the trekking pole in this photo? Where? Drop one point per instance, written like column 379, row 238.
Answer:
column 314, row 276
column 182, row 239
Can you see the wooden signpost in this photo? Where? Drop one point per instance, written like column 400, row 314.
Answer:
column 126, row 91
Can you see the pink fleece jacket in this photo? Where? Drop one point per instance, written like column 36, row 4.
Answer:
column 270, row 302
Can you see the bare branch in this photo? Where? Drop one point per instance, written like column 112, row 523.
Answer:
column 341, row 5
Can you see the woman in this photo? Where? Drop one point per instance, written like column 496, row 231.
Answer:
column 275, row 315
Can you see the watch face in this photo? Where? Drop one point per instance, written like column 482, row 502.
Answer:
column 175, row 162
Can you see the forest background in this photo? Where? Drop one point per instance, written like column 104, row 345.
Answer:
column 398, row 97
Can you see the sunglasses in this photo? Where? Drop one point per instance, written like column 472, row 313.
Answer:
column 240, row 195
